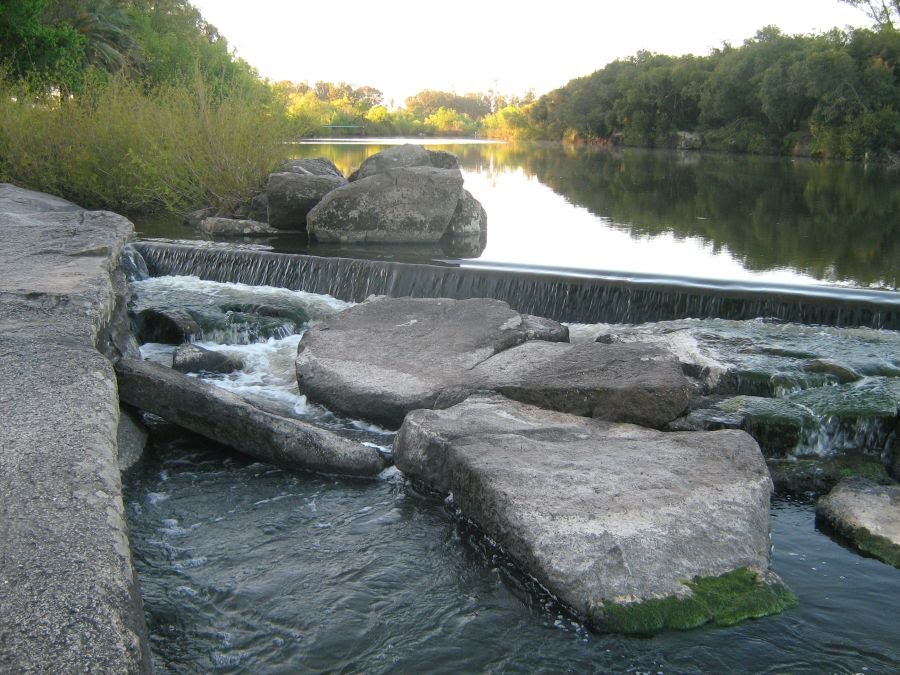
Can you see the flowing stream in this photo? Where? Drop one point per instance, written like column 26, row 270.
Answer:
column 247, row 568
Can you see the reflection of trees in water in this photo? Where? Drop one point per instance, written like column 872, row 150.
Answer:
column 837, row 221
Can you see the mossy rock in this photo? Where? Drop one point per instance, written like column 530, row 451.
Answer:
column 776, row 424
column 816, row 476
column 864, row 515
column 724, row 600
column 870, row 398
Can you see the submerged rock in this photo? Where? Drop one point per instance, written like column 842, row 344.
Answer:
column 629, row 527
column 818, row 475
column 165, row 325
column 189, row 358
column 867, row 515
column 778, row 425
column 231, row 227
column 228, row 419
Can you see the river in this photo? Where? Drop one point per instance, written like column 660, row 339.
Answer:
column 247, row 568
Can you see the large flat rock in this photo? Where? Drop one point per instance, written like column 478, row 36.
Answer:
column 611, row 518
column 638, row 383
column 384, row 357
column 67, row 591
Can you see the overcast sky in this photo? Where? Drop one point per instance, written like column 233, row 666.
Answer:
column 404, row 46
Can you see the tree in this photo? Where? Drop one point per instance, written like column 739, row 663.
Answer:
column 37, row 53
column 885, row 13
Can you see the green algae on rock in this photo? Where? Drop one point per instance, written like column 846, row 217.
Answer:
column 724, row 600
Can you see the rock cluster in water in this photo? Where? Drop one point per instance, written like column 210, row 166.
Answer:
column 403, row 195
column 607, row 515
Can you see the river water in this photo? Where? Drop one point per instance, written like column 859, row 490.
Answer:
column 245, row 568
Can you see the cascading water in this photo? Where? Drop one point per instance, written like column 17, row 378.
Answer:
column 582, row 297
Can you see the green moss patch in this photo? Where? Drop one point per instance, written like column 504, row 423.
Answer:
column 819, row 475
column 724, row 600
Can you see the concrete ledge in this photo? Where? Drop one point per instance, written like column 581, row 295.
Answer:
column 68, row 597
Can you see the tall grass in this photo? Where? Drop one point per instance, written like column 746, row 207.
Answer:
column 118, row 146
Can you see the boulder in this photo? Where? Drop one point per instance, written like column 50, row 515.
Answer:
column 402, row 205
column 292, row 195
column 638, row 383
column 382, row 358
column 231, row 227
column 466, row 235
column 634, row 529
column 226, row 418
column 166, row 325
column 259, row 208
column 311, row 166
column 865, row 514
column 131, row 439
column 189, row 358
column 404, row 156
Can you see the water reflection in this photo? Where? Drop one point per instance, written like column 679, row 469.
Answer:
column 704, row 215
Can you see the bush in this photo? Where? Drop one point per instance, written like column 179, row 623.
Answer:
column 118, row 146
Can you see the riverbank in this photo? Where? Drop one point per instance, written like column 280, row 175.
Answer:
column 67, row 586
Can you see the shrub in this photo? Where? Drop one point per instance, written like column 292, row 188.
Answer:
column 117, row 145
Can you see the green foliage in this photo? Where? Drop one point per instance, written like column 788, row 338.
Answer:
column 117, row 146
column 35, row 55
column 833, row 95
column 724, row 600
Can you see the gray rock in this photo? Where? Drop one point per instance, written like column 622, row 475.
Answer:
column 67, row 588
column 291, row 195
column 408, row 156
column 387, row 356
column 402, row 205
column 637, row 383
column 170, row 326
column 131, row 438
column 194, row 218
column 312, row 166
column 189, row 358
column 259, row 208
column 603, row 515
column 226, row 418
column 466, row 235
column 865, row 514
column 840, row 371
column 231, row 227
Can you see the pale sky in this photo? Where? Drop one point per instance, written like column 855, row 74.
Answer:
column 404, row 46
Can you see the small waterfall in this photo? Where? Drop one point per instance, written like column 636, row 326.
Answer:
column 573, row 298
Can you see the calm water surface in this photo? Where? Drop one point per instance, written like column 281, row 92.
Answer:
column 692, row 215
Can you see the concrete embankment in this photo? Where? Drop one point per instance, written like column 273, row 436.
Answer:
column 68, row 596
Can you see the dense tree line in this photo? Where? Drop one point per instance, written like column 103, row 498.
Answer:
column 57, row 45
column 835, row 95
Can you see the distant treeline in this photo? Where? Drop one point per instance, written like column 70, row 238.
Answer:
column 141, row 105
column 833, row 95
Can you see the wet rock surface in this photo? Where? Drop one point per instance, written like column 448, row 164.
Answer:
column 228, row 419
column 189, row 358
column 232, row 227
column 865, row 514
column 67, row 590
column 387, row 356
column 606, row 516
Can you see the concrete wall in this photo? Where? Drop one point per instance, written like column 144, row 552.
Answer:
column 68, row 596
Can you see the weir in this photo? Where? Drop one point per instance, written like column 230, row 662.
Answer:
column 564, row 295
